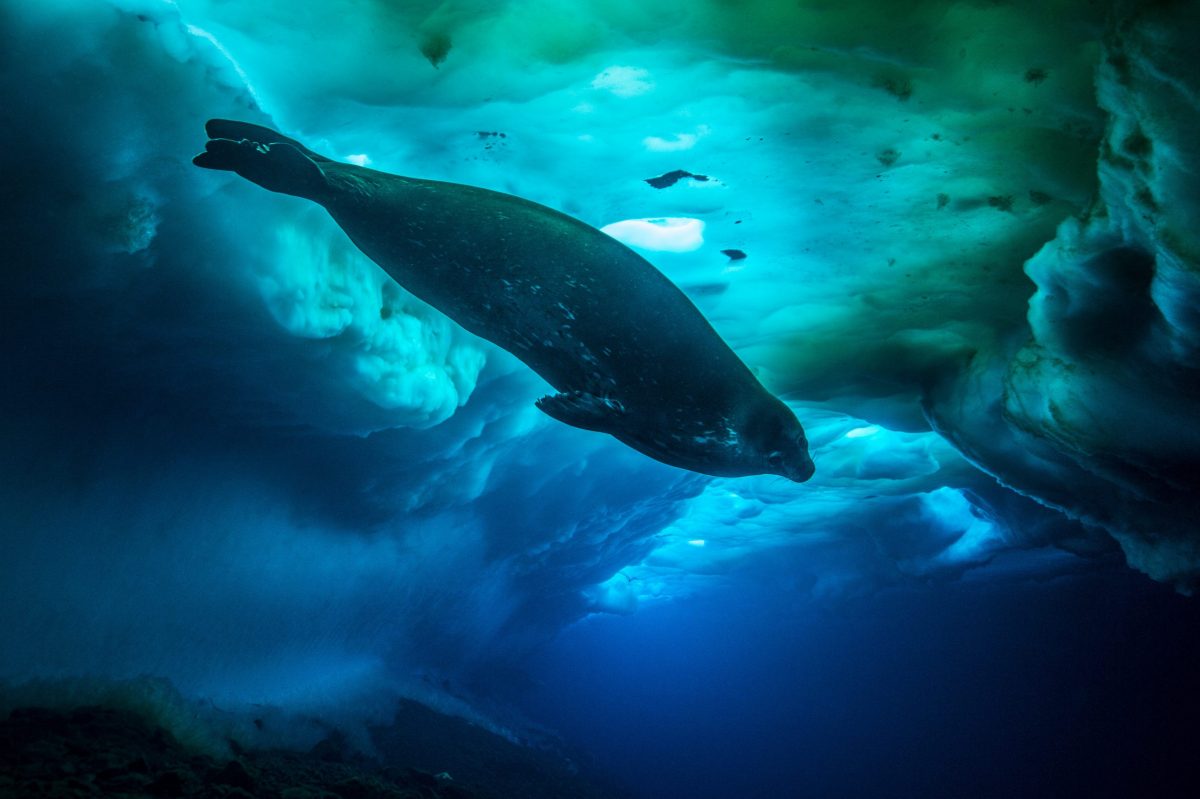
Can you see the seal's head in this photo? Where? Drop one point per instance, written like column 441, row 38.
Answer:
column 773, row 437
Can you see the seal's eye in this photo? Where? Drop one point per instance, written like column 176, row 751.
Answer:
column 775, row 460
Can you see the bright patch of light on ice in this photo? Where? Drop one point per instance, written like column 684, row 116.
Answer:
column 241, row 73
column 696, row 542
column 362, row 159
column 681, row 141
column 978, row 537
column 863, row 432
column 624, row 81
column 664, row 234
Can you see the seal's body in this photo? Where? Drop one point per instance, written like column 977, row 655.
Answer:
column 628, row 352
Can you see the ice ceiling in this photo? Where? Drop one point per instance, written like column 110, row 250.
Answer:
column 971, row 267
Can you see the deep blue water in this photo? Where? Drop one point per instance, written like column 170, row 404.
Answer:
column 1073, row 687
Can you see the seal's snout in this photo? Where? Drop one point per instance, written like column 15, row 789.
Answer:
column 796, row 466
column 802, row 471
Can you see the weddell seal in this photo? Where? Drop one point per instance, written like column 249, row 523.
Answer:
column 628, row 353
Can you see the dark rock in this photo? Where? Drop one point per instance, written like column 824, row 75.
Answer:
column 421, row 778
column 114, row 780
column 202, row 764
column 235, row 774
column 170, row 784
column 435, row 47
column 73, row 787
column 304, row 792
column 119, row 753
column 899, row 86
column 454, row 792
column 34, row 715
column 332, row 749
column 673, row 177
column 354, row 788
column 90, row 715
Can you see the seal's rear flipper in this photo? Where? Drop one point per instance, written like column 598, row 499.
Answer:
column 279, row 166
column 583, row 410
column 232, row 129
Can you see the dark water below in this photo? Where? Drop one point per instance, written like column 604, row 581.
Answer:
column 1080, row 686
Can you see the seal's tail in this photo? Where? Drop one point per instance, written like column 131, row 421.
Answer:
column 264, row 157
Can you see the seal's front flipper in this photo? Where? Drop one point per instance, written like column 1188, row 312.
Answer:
column 583, row 410
column 278, row 166
column 232, row 129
